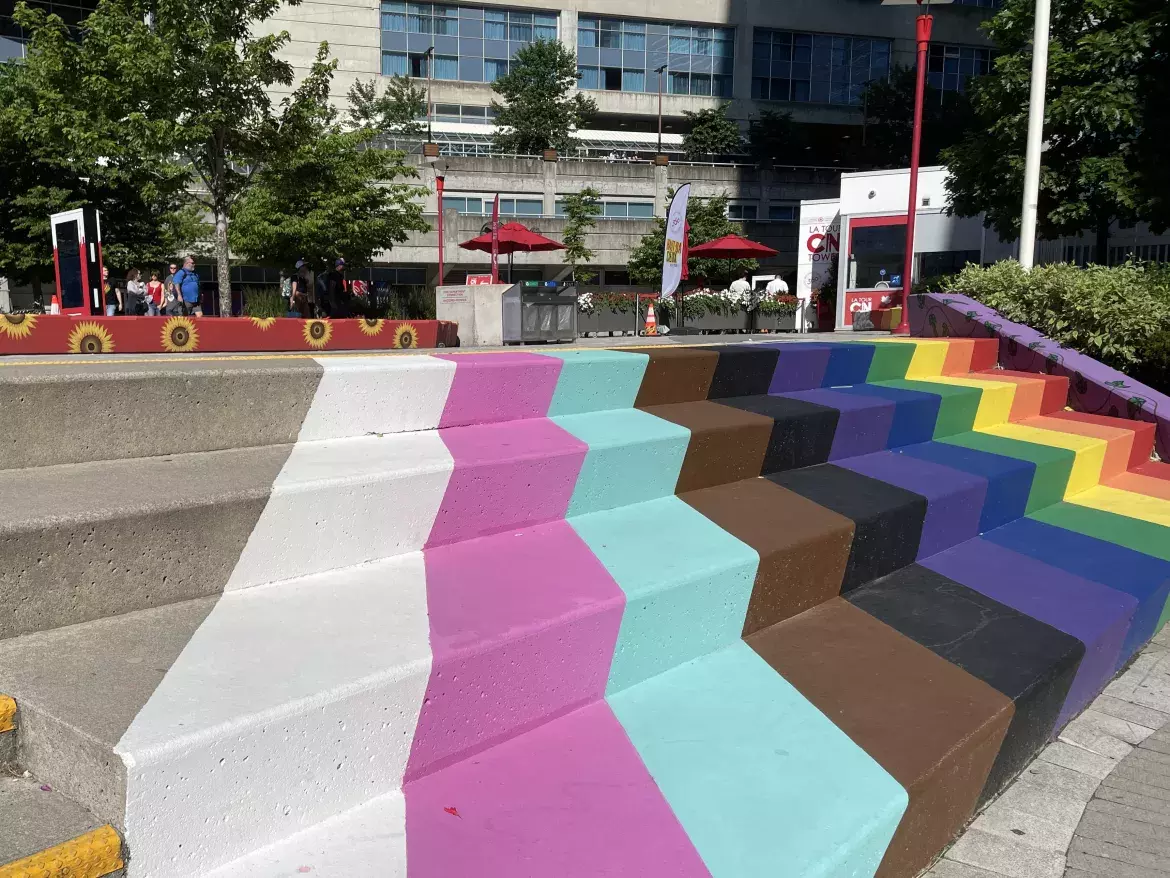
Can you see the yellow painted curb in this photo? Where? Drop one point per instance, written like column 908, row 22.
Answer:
column 7, row 714
column 91, row 855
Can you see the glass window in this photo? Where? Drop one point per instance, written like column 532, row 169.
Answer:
column 394, row 64
column 700, row 84
column 588, row 77
column 446, row 67
column 742, row 211
column 641, row 210
column 875, row 256
column 819, row 68
column 680, row 83
column 615, row 210
column 544, row 27
column 950, row 68
column 634, row 37
column 520, row 27
column 782, row 212
column 680, row 40
column 495, row 25
column 394, row 17
column 633, row 80
column 611, row 34
column 493, row 69
column 586, row 34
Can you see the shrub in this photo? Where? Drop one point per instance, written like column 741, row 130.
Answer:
column 264, row 302
column 1106, row 313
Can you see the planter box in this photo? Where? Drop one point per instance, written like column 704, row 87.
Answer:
column 605, row 320
column 708, row 322
column 776, row 322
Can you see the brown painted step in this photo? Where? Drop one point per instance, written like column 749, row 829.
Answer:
column 727, row 444
column 803, row 547
column 675, row 374
column 933, row 727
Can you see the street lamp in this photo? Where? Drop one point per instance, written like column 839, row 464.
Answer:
column 923, row 25
column 660, row 71
column 430, row 56
column 1035, row 135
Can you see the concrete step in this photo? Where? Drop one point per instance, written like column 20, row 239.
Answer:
column 47, row 834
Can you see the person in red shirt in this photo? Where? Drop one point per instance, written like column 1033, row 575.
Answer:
column 154, row 295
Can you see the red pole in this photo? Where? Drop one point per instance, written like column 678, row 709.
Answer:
column 496, row 240
column 923, row 33
column 439, row 191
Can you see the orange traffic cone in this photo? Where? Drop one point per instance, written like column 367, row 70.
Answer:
column 651, row 321
column 55, row 304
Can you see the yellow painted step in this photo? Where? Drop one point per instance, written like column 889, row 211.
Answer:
column 92, row 855
column 1089, row 452
column 1155, row 510
column 995, row 403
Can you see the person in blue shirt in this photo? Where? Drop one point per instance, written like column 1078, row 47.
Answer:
column 187, row 283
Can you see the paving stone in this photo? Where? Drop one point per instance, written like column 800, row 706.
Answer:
column 1137, row 786
column 1135, row 800
column 1078, row 759
column 1004, row 857
column 1109, row 851
column 1134, row 713
column 1054, row 805
column 1049, row 774
column 1118, row 832
column 1104, row 866
column 1131, row 733
column 953, row 869
column 1044, row 832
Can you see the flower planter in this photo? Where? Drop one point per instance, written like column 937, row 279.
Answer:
column 776, row 322
column 605, row 320
column 709, row 322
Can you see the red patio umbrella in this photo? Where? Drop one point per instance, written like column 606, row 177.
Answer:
column 513, row 237
column 731, row 247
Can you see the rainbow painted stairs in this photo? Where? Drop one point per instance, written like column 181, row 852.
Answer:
column 794, row 609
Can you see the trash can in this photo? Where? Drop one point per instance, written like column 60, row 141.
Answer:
column 536, row 312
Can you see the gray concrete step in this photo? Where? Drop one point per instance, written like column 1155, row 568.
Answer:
column 117, row 409
column 41, row 823
column 85, row 541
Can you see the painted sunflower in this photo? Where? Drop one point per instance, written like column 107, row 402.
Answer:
column 179, row 335
column 17, row 325
column 317, row 333
column 370, row 326
column 90, row 338
column 406, row 336
column 263, row 323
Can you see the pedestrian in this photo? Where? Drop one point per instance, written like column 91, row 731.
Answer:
column 337, row 291
column 154, row 295
column 172, row 301
column 135, row 301
column 776, row 287
column 301, row 291
column 111, row 295
column 187, row 284
column 741, row 286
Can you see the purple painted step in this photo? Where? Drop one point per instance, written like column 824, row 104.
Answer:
column 1096, row 615
column 954, row 499
column 864, row 425
column 799, row 367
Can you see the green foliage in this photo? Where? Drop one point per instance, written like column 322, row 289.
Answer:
column 1154, row 94
column 708, row 220
column 264, row 302
column 1092, row 119
column 330, row 194
column 774, row 138
column 397, row 110
column 73, row 133
column 540, row 109
column 712, row 134
column 1154, row 369
column 947, row 117
column 581, row 212
column 1107, row 313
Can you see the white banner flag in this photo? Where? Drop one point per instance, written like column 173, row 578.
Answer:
column 676, row 229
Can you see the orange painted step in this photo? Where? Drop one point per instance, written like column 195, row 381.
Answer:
column 1119, row 440
column 1143, row 433
column 1155, row 470
column 1035, row 394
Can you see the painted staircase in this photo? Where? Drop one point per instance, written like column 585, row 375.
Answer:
column 718, row 610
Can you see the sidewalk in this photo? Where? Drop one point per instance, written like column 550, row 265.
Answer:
column 1096, row 802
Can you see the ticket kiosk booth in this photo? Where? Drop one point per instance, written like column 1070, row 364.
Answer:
column 77, row 260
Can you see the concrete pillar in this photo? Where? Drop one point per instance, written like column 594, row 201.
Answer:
column 5, row 295
column 549, row 193
column 661, row 182
column 568, row 33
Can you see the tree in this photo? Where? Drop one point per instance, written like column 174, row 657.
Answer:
column 1092, row 120
column 1154, row 89
column 947, row 117
column 540, row 110
column 397, row 110
column 72, row 134
column 708, row 221
column 712, row 133
column 581, row 212
column 774, row 138
column 332, row 195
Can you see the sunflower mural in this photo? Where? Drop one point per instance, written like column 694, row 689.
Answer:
column 371, row 326
column 90, row 338
column 17, row 325
column 317, row 333
column 179, row 335
column 263, row 323
column 406, row 336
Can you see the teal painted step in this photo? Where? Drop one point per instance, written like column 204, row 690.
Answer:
column 633, row 457
column 763, row 782
column 687, row 583
column 594, row 381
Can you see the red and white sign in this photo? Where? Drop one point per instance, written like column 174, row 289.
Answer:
column 479, row 280
column 862, row 302
column 359, row 288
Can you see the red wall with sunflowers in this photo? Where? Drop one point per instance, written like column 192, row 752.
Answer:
column 64, row 334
